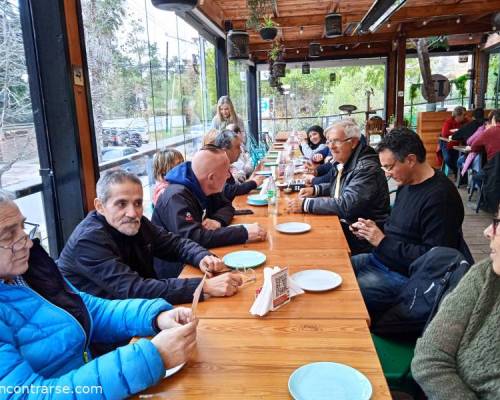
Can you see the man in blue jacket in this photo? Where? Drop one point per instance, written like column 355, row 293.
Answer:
column 193, row 207
column 110, row 253
column 46, row 328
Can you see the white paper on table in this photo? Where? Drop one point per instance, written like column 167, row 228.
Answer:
column 265, row 184
column 264, row 302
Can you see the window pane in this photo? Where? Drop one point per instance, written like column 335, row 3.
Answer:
column 152, row 79
column 19, row 161
column 238, row 89
column 492, row 91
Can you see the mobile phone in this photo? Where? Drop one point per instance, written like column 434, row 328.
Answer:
column 244, row 211
column 349, row 224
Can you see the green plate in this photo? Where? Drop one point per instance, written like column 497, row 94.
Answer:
column 244, row 259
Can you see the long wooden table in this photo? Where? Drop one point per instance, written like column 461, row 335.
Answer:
column 247, row 359
column 345, row 302
column 240, row 356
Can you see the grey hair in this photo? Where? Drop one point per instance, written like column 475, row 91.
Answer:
column 350, row 128
column 458, row 110
column 224, row 139
column 113, row 177
column 6, row 197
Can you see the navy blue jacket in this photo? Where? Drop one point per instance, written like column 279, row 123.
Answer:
column 100, row 260
column 182, row 207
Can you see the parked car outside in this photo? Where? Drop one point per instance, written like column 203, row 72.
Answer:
column 143, row 131
column 137, row 166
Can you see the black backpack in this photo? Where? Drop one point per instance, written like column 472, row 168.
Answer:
column 432, row 276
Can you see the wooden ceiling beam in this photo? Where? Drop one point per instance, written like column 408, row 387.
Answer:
column 212, row 11
column 411, row 32
column 479, row 9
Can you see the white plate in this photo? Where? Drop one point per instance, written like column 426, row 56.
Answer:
column 317, row 280
column 293, row 227
column 172, row 371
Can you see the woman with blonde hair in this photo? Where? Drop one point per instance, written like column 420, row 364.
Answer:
column 226, row 115
column 163, row 161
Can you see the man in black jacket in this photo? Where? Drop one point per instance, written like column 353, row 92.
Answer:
column 357, row 187
column 191, row 204
column 428, row 212
column 110, row 253
column 230, row 142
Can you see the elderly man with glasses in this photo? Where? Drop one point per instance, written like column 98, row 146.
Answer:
column 357, row 187
column 47, row 327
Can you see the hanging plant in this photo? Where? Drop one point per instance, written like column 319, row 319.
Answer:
column 414, row 90
column 275, row 52
column 268, row 30
column 257, row 10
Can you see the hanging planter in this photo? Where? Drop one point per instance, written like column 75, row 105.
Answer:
column 279, row 69
column 175, row 5
column 268, row 30
column 333, row 25
column 306, row 68
column 237, row 45
column 314, row 49
column 268, row 33
column 273, row 81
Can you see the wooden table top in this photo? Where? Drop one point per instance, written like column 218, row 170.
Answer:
column 253, row 359
column 344, row 302
column 326, row 232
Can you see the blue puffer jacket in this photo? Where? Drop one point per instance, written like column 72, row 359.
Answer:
column 45, row 331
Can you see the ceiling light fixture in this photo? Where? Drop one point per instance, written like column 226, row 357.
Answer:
column 470, row 36
column 458, row 20
column 389, row 24
column 301, row 30
column 378, row 13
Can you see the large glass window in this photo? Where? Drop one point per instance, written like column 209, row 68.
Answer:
column 315, row 98
column 152, row 79
column 19, row 161
column 492, row 96
column 238, row 89
column 448, row 65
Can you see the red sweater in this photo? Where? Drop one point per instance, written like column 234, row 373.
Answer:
column 490, row 141
column 451, row 123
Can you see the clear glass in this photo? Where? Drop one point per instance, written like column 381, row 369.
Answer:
column 238, row 89
column 19, row 160
column 152, row 81
column 492, row 96
column 447, row 65
column 314, row 99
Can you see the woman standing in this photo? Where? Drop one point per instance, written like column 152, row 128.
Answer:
column 226, row 115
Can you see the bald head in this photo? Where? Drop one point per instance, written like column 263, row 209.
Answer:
column 211, row 168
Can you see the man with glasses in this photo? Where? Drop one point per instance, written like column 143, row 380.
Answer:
column 46, row 328
column 357, row 187
column 428, row 212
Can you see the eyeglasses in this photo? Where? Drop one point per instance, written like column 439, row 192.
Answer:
column 388, row 168
column 337, row 142
column 494, row 224
column 20, row 243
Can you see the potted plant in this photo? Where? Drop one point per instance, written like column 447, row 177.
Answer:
column 268, row 30
column 237, row 45
column 461, row 85
column 274, row 55
column 175, row 5
column 256, row 10
column 333, row 25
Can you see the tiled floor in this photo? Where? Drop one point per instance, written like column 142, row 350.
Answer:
column 473, row 227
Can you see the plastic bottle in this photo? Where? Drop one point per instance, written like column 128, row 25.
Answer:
column 289, row 172
column 272, row 197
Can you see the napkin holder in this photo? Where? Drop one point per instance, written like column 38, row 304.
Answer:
column 276, row 291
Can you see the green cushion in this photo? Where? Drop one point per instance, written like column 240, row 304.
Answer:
column 395, row 357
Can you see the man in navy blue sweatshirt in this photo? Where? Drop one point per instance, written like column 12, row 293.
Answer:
column 428, row 212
